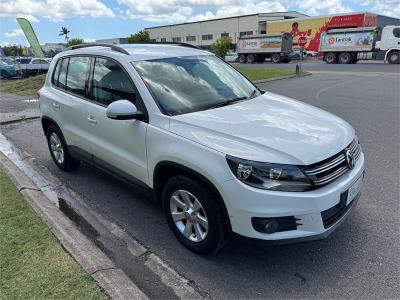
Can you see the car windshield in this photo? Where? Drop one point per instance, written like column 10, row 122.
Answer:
column 188, row 84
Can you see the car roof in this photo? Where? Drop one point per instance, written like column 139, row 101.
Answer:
column 139, row 52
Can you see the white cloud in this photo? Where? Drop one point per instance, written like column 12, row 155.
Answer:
column 15, row 32
column 173, row 11
column 53, row 9
column 235, row 10
column 384, row 7
column 318, row 7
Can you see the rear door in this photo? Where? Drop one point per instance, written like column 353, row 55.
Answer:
column 69, row 101
column 119, row 145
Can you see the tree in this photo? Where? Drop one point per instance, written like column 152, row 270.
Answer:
column 221, row 46
column 64, row 31
column 140, row 36
column 75, row 41
column 13, row 50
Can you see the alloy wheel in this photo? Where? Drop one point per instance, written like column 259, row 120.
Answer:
column 56, row 148
column 188, row 215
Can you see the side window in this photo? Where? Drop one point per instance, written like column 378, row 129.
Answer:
column 76, row 77
column 57, row 72
column 396, row 32
column 111, row 83
column 63, row 73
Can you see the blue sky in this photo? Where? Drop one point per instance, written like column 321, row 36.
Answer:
column 96, row 19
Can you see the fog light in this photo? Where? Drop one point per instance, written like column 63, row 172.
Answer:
column 271, row 227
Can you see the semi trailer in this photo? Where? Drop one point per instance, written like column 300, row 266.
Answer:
column 255, row 49
column 349, row 45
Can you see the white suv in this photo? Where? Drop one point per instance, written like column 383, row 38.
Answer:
column 224, row 157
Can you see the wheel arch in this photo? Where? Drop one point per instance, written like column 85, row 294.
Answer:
column 46, row 122
column 165, row 169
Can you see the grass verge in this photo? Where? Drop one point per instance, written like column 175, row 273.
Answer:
column 32, row 263
column 265, row 73
column 23, row 87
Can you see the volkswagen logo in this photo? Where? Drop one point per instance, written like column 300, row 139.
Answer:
column 349, row 159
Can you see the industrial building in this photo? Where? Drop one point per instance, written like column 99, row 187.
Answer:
column 204, row 33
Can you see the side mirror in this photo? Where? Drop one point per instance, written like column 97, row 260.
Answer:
column 122, row 110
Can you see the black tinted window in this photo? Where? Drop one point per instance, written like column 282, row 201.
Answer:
column 396, row 32
column 63, row 73
column 76, row 78
column 111, row 83
column 57, row 72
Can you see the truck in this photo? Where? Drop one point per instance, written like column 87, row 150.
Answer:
column 257, row 48
column 348, row 45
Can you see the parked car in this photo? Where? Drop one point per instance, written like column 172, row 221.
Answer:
column 34, row 66
column 6, row 70
column 223, row 157
column 231, row 57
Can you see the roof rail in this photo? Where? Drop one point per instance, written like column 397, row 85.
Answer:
column 113, row 47
column 170, row 43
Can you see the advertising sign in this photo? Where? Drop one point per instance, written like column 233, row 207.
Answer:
column 31, row 37
column 262, row 43
column 312, row 28
column 362, row 41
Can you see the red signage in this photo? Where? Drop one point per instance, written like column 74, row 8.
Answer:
column 302, row 41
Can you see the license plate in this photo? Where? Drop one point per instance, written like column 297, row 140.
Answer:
column 354, row 190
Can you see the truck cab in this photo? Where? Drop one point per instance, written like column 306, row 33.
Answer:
column 390, row 42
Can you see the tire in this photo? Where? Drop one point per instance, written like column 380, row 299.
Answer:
column 251, row 58
column 180, row 196
column 394, row 57
column 59, row 149
column 242, row 58
column 4, row 75
column 330, row 58
column 345, row 58
column 276, row 58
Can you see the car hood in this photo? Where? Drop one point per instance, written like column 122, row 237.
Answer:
column 268, row 128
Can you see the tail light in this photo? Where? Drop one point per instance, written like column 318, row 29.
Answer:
column 38, row 93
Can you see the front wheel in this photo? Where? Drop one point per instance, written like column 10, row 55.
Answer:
column 394, row 58
column 193, row 214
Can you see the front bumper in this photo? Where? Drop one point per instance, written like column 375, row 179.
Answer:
column 244, row 202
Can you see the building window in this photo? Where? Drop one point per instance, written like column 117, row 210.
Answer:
column 225, row 34
column 191, row 38
column 207, row 37
column 245, row 33
column 152, row 40
column 263, row 32
column 176, row 39
column 163, row 40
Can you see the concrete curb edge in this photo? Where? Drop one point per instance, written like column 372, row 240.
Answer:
column 281, row 77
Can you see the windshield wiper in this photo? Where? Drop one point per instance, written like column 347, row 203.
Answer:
column 226, row 103
column 253, row 93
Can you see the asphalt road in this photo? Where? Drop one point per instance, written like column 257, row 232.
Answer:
column 360, row 260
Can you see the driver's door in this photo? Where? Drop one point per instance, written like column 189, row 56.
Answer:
column 119, row 145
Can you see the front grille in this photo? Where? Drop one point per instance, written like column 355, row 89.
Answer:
column 326, row 171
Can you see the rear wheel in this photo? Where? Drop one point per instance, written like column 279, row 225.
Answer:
column 193, row 214
column 345, row 58
column 242, row 58
column 59, row 149
column 330, row 58
column 251, row 58
column 4, row 75
column 276, row 58
column 394, row 57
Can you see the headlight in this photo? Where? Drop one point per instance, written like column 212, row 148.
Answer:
column 275, row 177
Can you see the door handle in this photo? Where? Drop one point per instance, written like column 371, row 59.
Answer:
column 56, row 106
column 92, row 120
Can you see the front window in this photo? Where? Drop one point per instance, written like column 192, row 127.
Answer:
column 188, row 84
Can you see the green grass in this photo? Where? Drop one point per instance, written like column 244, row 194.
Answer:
column 265, row 73
column 23, row 87
column 32, row 263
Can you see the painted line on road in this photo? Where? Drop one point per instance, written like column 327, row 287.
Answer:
column 355, row 73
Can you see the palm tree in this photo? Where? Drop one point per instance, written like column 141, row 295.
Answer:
column 64, row 31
